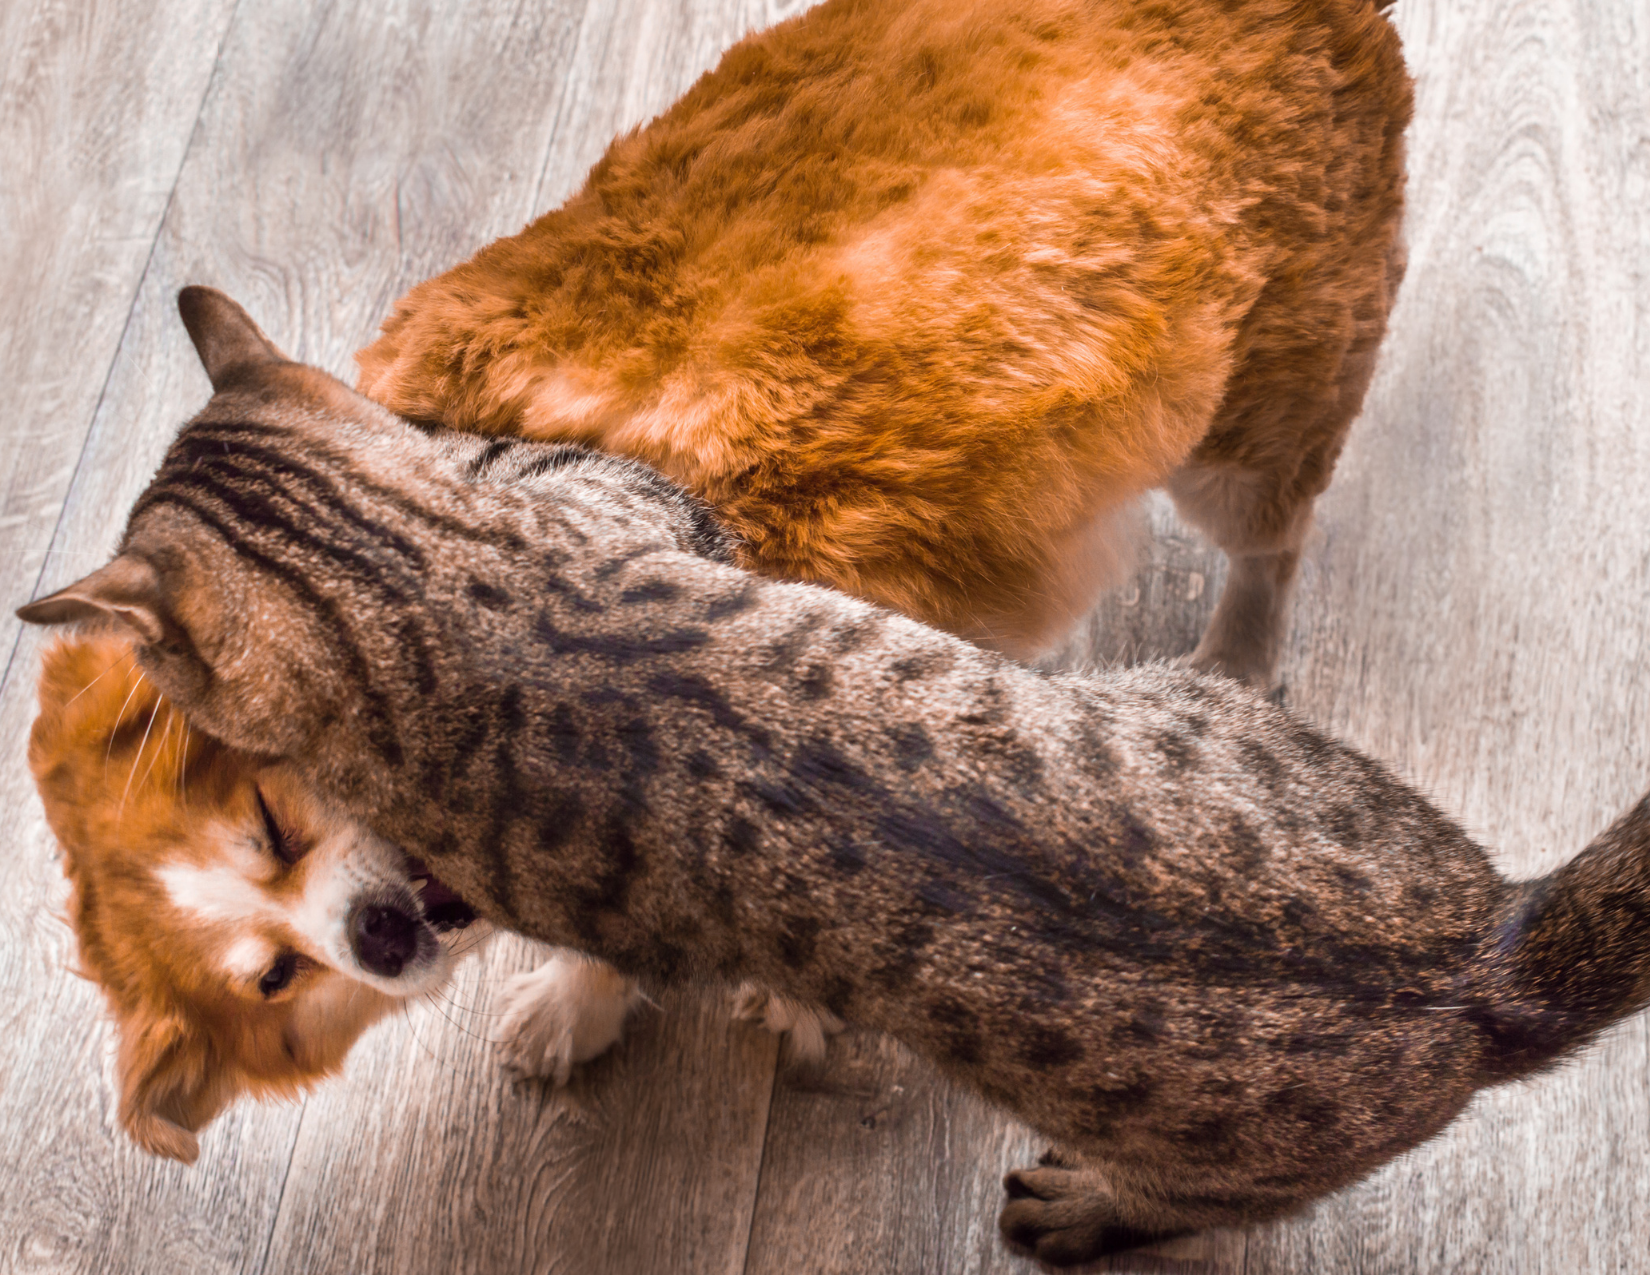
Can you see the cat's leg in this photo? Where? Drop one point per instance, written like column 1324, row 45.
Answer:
column 1260, row 528
column 1070, row 1209
column 806, row 1026
column 569, row 1010
column 1065, row 1211
column 1303, row 363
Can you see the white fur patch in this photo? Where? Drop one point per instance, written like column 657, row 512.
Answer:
column 346, row 863
column 569, row 1010
column 248, row 957
column 217, row 893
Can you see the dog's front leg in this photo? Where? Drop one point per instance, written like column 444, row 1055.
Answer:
column 569, row 1010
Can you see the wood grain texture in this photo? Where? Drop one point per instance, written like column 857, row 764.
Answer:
column 97, row 102
column 1471, row 608
column 1474, row 608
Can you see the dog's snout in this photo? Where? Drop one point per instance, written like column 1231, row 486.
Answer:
column 383, row 938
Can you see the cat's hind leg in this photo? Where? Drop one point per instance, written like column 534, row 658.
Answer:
column 1065, row 1212
column 569, row 1010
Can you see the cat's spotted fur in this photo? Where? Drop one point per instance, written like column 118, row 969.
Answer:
column 1225, row 963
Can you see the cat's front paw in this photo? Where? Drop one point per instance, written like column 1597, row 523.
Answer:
column 807, row 1026
column 569, row 1010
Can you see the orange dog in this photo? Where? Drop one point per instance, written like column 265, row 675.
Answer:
column 920, row 296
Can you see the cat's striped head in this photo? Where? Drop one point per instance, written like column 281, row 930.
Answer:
column 305, row 567
column 235, row 573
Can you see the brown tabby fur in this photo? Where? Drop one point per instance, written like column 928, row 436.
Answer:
column 920, row 296
column 1224, row 962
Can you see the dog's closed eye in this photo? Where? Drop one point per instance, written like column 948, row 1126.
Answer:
column 280, row 974
column 285, row 847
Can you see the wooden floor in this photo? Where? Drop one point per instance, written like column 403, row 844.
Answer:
column 1473, row 609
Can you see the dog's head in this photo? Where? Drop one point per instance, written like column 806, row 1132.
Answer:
column 244, row 934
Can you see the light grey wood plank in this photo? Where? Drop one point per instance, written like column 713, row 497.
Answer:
column 1474, row 608
column 96, row 106
column 875, row 1163
column 635, row 58
column 426, row 1158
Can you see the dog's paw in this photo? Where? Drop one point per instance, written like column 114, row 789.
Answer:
column 569, row 1010
column 1063, row 1216
column 806, row 1026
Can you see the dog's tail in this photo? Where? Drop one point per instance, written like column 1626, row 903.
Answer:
column 1571, row 955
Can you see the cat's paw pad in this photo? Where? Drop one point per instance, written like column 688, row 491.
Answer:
column 569, row 1010
column 1064, row 1216
column 806, row 1026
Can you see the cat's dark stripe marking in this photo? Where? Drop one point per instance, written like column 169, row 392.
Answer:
column 504, row 724
column 650, row 591
column 618, row 648
column 381, row 729
column 700, row 693
column 490, row 453
column 555, row 584
column 277, row 471
column 209, row 479
column 783, row 652
column 730, row 605
column 316, row 452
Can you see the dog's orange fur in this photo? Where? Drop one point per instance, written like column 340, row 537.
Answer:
column 918, row 296
column 128, row 788
column 913, row 325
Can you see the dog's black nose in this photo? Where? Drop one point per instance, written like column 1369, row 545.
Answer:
column 383, row 938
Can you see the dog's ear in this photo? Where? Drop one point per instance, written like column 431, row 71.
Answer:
column 170, row 1085
column 127, row 594
column 225, row 337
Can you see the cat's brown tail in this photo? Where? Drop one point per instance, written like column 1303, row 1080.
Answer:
column 1571, row 955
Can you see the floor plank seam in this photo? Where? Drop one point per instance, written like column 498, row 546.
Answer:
column 762, row 1164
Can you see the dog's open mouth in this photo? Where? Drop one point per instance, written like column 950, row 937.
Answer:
column 443, row 909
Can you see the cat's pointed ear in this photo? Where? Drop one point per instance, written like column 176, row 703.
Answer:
column 225, row 337
column 126, row 593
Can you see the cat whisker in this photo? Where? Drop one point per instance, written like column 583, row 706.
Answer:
column 183, row 766
column 130, row 655
column 435, row 1005
column 406, row 1012
column 131, row 774
column 119, row 718
column 160, row 746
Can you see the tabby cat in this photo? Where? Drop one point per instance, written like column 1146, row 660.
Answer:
column 1225, row 963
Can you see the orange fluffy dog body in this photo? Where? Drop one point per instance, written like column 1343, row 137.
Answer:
column 919, row 296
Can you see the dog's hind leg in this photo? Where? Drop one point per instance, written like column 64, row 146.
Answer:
column 1250, row 484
